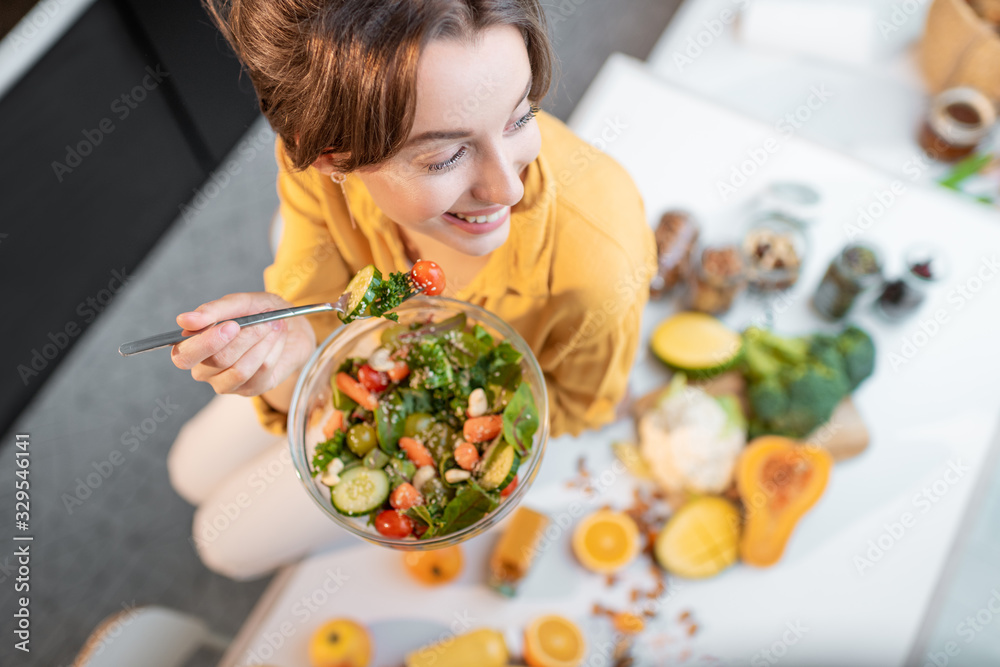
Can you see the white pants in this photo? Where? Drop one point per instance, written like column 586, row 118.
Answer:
column 253, row 513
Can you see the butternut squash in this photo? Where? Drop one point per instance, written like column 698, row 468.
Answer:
column 779, row 480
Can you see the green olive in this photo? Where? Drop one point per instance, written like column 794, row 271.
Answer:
column 361, row 439
column 390, row 335
column 416, row 423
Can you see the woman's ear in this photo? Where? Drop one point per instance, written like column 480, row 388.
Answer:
column 326, row 163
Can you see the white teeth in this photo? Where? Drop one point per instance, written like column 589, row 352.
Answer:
column 479, row 219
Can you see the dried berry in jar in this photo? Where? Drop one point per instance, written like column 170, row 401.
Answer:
column 717, row 279
column 676, row 236
column 772, row 259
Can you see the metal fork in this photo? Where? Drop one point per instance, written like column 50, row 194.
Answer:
column 169, row 338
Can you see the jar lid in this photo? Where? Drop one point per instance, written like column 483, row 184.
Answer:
column 797, row 202
column 961, row 116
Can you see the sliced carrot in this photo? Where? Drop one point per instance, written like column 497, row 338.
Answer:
column 405, row 496
column 334, row 424
column 356, row 391
column 466, row 455
column 481, row 429
column 416, row 451
column 399, row 371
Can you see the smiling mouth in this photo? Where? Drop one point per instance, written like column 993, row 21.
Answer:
column 481, row 219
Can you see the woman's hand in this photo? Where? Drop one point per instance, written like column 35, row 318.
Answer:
column 248, row 361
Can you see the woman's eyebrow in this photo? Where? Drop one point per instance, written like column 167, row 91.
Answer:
column 441, row 135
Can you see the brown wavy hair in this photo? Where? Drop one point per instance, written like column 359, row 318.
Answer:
column 339, row 76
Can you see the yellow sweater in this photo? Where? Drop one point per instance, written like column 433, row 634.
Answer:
column 572, row 277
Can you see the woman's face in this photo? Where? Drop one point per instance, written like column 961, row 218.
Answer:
column 473, row 135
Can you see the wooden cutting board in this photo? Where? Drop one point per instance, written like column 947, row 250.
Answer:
column 844, row 436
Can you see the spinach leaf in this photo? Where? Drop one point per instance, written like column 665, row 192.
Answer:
column 520, row 419
column 483, row 336
column 326, row 452
column 428, row 515
column 390, row 418
column 470, row 505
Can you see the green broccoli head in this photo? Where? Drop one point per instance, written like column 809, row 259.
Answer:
column 768, row 399
column 823, row 350
column 814, row 390
column 858, row 351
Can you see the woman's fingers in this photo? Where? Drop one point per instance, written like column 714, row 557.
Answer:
column 249, row 375
column 195, row 350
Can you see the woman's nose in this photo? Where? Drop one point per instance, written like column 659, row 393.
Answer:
column 499, row 181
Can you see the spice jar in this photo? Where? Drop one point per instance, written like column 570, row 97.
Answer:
column 959, row 118
column 717, row 276
column 676, row 237
column 857, row 268
column 903, row 296
column 774, row 248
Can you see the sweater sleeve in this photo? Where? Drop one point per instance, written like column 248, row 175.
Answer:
column 307, row 267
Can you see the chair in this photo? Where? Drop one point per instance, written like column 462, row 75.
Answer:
column 150, row 636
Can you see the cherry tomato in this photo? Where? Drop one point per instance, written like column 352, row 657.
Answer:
column 509, row 489
column 371, row 379
column 393, row 524
column 429, row 276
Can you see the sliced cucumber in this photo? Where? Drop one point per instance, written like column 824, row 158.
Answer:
column 360, row 490
column 361, row 289
column 376, row 459
column 499, row 467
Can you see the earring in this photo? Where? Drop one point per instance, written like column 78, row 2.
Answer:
column 339, row 177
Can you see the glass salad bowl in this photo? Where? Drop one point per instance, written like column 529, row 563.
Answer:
column 385, row 463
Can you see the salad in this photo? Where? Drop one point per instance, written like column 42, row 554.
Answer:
column 426, row 434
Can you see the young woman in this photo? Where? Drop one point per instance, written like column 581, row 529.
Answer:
column 406, row 129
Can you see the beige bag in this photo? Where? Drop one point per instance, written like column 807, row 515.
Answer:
column 960, row 49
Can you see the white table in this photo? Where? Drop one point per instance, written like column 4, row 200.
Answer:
column 937, row 408
column 873, row 112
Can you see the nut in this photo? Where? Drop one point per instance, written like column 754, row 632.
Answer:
column 332, row 473
column 380, row 360
column 454, row 476
column 477, row 403
column 422, row 476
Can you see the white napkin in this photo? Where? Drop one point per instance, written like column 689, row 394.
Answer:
column 841, row 32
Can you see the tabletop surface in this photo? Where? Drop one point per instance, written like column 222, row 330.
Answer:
column 930, row 408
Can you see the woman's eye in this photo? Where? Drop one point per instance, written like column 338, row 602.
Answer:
column 525, row 119
column 449, row 163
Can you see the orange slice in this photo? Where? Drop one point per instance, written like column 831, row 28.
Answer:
column 606, row 541
column 554, row 641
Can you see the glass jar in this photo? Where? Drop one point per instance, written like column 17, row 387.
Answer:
column 717, row 277
column 774, row 248
column 676, row 237
column 903, row 296
column 855, row 270
column 959, row 118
